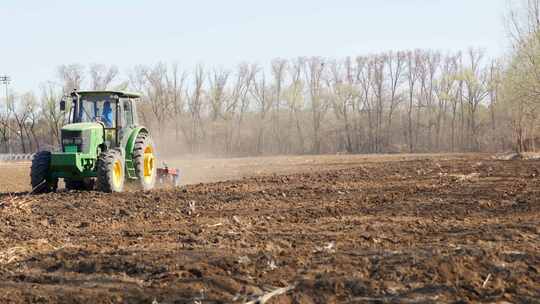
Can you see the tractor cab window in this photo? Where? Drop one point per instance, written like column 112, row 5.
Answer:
column 94, row 109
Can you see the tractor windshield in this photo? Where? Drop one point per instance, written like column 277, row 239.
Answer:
column 96, row 109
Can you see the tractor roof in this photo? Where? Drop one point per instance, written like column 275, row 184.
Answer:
column 121, row 94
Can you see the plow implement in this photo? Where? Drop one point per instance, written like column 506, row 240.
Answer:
column 168, row 176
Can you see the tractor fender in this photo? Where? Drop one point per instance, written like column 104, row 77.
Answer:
column 131, row 140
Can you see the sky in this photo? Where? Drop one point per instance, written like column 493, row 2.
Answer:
column 37, row 36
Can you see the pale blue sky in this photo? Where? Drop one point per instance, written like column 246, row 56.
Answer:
column 38, row 36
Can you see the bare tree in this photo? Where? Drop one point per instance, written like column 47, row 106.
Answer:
column 101, row 76
column 295, row 103
column 71, row 76
column 32, row 125
column 318, row 103
column 377, row 80
column 260, row 91
column 54, row 118
column 21, row 113
column 429, row 66
column 444, row 90
column 494, row 84
column 475, row 80
column 365, row 105
column 412, row 78
column 218, row 82
column 455, row 94
column 279, row 67
column 176, row 82
column 237, row 106
column 396, row 67
column 196, row 133
column 341, row 83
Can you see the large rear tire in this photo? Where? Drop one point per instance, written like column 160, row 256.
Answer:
column 110, row 171
column 144, row 160
column 39, row 173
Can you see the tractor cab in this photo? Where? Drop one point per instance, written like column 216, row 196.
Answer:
column 115, row 111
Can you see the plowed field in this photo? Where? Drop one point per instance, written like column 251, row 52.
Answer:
column 340, row 229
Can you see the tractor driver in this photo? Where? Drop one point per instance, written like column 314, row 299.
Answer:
column 107, row 115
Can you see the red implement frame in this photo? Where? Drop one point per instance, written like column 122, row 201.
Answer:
column 171, row 175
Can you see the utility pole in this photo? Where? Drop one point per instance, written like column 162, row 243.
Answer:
column 5, row 81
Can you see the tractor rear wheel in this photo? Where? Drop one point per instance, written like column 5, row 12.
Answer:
column 110, row 171
column 39, row 173
column 144, row 160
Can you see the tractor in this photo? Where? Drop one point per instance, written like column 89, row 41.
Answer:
column 102, row 146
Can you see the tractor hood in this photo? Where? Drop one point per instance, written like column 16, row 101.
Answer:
column 80, row 145
column 82, row 137
column 82, row 126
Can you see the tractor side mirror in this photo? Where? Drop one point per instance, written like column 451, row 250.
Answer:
column 62, row 105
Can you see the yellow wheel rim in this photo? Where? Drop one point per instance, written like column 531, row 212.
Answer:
column 117, row 173
column 148, row 164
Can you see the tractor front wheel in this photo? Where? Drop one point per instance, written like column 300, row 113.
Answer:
column 144, row 159
column 39, row 173
column 110, row 171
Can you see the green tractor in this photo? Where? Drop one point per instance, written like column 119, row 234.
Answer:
column 103, row 146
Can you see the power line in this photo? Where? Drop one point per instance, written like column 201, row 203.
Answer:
column 5, row 80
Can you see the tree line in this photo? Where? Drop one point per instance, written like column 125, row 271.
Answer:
column 408, row 101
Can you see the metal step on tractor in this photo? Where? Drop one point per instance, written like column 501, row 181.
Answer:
column 103, row 146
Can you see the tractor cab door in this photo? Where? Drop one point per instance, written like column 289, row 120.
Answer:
column 127, row 110
column 127, row 120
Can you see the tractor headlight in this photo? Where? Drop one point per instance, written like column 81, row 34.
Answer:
column 72, row 141
column 67, row 141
